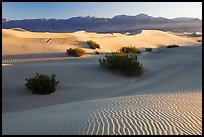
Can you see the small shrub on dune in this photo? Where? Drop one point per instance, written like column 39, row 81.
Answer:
column 172, row 46
column 93, row 45
column 149, row 49
column 76, row 52
column 97, row 52
column 42, row 84
column 127, row 65
column 130, row 49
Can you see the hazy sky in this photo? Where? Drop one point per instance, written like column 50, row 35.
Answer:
column 62, row 10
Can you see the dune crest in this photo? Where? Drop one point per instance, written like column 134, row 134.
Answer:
column 19, row 29
column 17, row 42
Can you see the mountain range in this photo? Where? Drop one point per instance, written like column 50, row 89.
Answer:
column 119, row 23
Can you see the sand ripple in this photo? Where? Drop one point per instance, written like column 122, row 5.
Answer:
column 33, row 59
column 167, row 114
column 177, row 113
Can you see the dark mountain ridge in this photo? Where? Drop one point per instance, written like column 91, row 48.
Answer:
column 119, row 23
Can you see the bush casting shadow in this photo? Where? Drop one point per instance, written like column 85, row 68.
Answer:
column 172, row 46
column 42, row 84
column 149, row 49
column 130, row 49
column 76, row 52
column 127, row 65
column 93, row 45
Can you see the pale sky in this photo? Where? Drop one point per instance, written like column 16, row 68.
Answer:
column 65, row 10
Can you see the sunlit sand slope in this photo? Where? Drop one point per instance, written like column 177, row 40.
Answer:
column 16, row 42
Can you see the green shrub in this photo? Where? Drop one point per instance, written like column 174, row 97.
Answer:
column 97, row 52
column 172, row 46
column 124, row 64
column 93, row 45
column 130, row 49
column 42, row 84
column 149, row 49
column 77, row 52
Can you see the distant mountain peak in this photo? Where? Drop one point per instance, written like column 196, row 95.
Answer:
column 120, row 16
column 90, row 16
column 183, row 19
column 85, row 17
column 119, row 23
column 142, row 14
column 5, row 19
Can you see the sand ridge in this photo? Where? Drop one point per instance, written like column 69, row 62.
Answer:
column 25, row 42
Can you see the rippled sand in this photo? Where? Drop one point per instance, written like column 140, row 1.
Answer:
column 177, row 113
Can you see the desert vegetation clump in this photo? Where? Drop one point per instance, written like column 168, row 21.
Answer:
column 76, row 52
column 173, row 46
column 42, row 84
column 130, row 49
column 93, row 44
column 125, row 64
column 149, row 49
column 96, row 52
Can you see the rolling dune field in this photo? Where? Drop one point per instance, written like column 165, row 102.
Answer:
column 165, row 100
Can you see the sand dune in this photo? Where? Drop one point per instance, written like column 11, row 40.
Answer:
column 165, row 70
column 24, row 42
column 164, row 114
column 166, row 99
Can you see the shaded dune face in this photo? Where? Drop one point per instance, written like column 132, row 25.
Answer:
column 82, row 78
column 160, row 114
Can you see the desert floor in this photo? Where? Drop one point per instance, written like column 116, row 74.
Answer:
column 165, row 99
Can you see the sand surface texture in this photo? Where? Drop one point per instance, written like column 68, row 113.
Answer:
column 163, row 114
column 166, row 99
